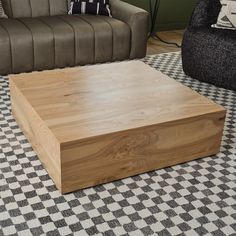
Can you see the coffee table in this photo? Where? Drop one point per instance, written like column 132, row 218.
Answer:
column 94, row 124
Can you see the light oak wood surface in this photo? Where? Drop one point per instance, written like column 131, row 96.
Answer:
column 94, row 124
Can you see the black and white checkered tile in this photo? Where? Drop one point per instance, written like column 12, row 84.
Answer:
column 195, row 198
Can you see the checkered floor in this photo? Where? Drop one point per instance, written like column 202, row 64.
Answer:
column 195, row 198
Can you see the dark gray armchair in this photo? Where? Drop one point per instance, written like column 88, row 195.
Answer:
column 209, row 54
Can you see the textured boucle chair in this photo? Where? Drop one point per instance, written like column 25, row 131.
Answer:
column 209, row 54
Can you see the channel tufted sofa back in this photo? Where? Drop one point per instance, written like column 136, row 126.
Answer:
column 34, row 8
column 40, row 35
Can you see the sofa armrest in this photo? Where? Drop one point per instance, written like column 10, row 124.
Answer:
column 205, row 14
column 137, row 19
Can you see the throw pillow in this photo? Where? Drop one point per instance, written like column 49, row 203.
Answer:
column 227, row 15
column 95, row 7
column 2, row 13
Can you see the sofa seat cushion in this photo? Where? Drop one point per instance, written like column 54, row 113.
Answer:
column 40, row 43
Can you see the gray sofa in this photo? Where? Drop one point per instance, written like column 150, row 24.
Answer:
column 39, row 35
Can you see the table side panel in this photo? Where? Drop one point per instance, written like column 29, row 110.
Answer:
column 114, row 156
column 43, row 141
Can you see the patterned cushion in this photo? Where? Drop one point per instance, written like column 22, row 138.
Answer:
column 227, row 15
column 95, row 7
column 2, row 13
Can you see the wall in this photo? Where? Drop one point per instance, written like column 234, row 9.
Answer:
column 173, row 14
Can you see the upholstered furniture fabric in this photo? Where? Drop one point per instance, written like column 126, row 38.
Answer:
column 61, row 41
column 94, row 7
column 53, row 40
column 34, row 8
column 137, row 19
column 209, row 54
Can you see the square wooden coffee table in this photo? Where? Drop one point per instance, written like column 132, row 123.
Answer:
column 94, row 124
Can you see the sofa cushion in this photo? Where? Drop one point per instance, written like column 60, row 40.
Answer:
column 34, row 8
column 28, row 44
column 95, row 7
